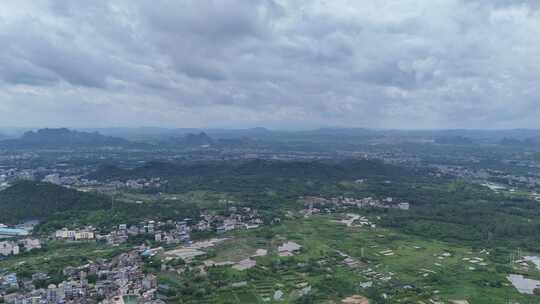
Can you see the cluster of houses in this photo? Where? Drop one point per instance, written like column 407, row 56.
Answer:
column 315, row 204
column 56, row 178
column 8, row 176
column 94, row 185
column 178, row 232
column 236, row 218
column 115, row 281
column 482, row 175
column 84, row 184
column 8, row 248
column 119, row 280
column 145, row 183
column 170, row 232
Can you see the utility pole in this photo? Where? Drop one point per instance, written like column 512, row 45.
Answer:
column 512, row 259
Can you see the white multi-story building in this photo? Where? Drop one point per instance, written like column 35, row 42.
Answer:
column 84, row 235
column 9, row 248
column 65, row 234
column 77, row 235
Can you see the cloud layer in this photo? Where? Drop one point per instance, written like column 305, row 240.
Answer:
column 274, row 63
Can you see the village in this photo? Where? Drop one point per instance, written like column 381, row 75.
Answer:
column 315, row 205
column 168, row 232
column 114, row 281
column 121, row 278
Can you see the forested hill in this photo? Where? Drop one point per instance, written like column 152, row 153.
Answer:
column 349, row 169
column 35, row 200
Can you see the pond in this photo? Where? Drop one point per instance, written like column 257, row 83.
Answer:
column 523, row 284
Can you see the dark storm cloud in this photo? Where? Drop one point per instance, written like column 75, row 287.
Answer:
column 210, row 20
column 408, row 63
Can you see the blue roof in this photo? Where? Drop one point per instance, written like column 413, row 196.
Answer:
column 13, row 231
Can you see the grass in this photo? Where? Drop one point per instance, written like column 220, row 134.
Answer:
column 453, row 279
column 318, row 264
column 241, row 246
column 418, row 269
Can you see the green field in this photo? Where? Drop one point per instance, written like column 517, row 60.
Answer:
column 334, row 261
column 414, row 270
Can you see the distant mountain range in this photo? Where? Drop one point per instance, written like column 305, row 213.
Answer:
column 156, row 134
column 448, row 136
column 63, row 138
column 259, row 137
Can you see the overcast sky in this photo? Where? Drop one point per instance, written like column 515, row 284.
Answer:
column 272, row 63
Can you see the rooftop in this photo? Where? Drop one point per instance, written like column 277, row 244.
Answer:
column 12, row 231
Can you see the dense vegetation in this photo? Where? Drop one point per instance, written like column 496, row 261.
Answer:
column 35, row 200
column 348, row 169
column 447, row 215
column 443, row 208
column 462, row 212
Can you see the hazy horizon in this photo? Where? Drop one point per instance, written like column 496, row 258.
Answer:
column 316, row 128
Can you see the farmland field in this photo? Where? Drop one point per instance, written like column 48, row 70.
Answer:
column 389, row 264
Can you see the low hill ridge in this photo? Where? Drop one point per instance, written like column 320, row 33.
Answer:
column 37, row 200
column 63, row 137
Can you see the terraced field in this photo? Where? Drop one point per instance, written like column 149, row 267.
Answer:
column 337, row 261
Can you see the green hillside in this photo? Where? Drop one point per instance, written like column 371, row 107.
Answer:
column 36, row 200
